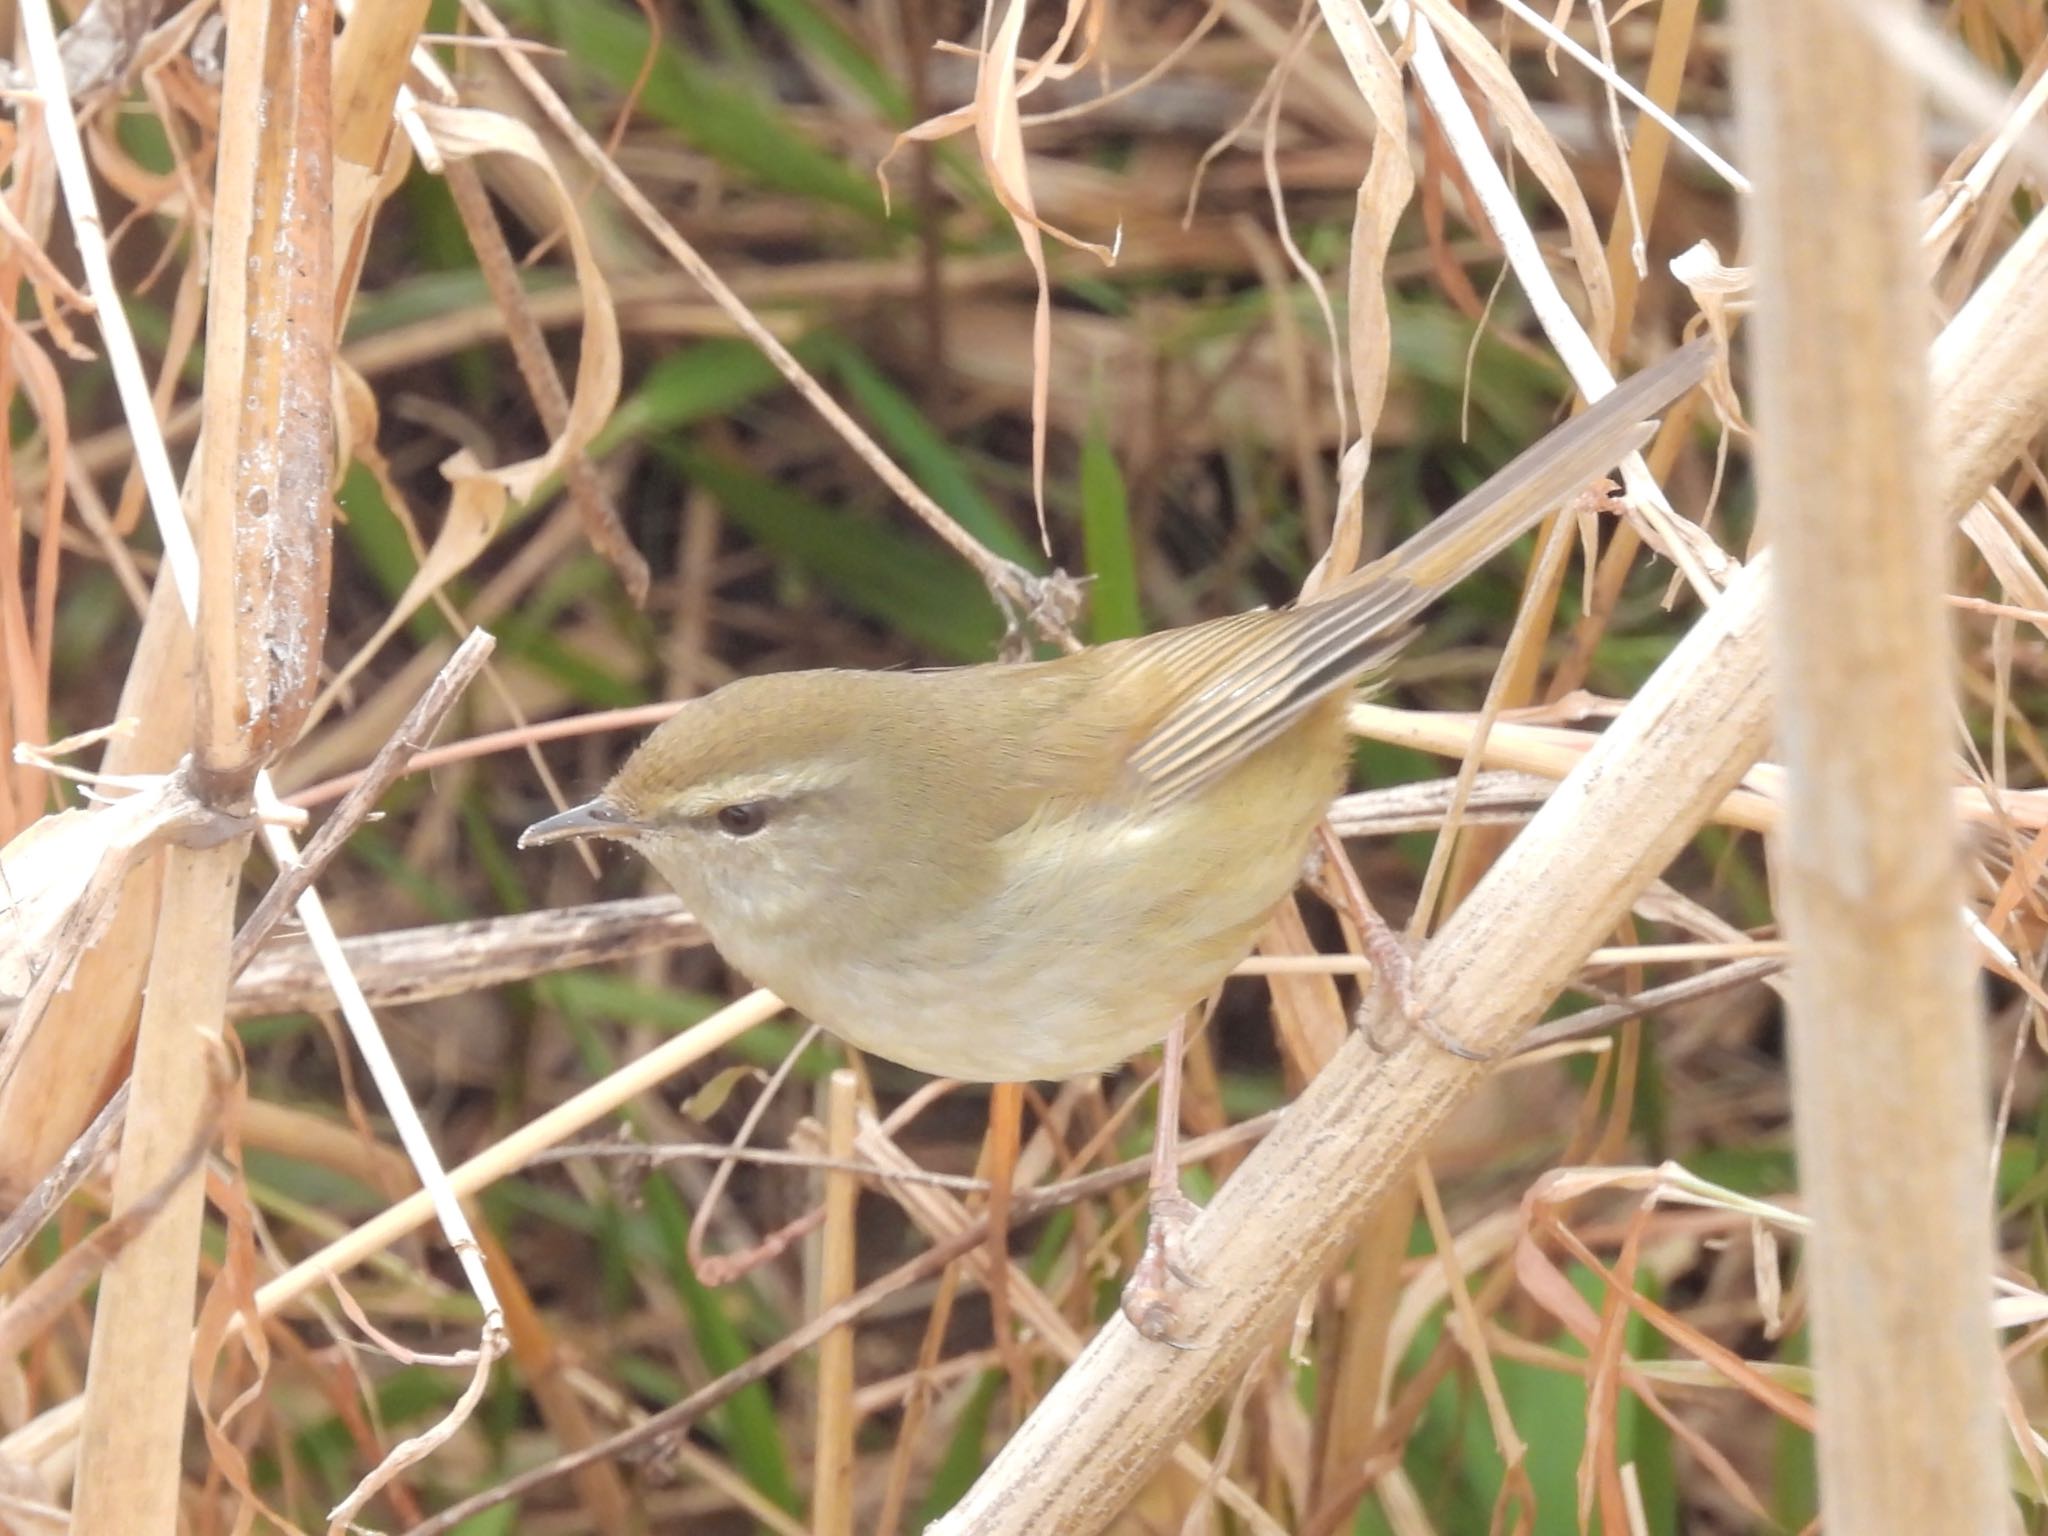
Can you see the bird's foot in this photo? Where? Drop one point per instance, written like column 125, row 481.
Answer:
column 1152, row 1294
column 1393, row 967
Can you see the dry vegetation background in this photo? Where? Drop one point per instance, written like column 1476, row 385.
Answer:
column 1586, row 1309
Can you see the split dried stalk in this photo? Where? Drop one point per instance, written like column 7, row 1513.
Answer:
column 1887, row 1040
column 267, row 436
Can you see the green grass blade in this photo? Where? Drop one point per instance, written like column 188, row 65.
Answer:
column 1113, row 611
column 922, row 591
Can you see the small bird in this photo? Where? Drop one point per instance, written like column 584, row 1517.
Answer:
column 1008, row 872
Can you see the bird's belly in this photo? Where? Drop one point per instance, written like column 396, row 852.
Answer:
column 1002, row 1021
column 1085, row 957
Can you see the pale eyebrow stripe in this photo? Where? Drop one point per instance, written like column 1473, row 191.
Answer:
column 739, row 788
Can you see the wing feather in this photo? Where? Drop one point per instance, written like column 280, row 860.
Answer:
column 1237, row 683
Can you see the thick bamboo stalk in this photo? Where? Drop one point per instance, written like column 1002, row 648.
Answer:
column 1888, row 1064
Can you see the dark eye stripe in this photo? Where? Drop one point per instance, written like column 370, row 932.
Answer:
column 743, row 818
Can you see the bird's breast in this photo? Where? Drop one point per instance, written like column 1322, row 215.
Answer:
column 1081, row 934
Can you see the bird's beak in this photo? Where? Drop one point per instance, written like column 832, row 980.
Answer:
column 593, row 818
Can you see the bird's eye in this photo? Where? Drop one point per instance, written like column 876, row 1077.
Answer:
column 742, row 819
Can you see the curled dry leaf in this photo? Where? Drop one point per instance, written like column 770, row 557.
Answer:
column 59, row 884
column 56, row 295
column 1722, row 293
column 710, row 1099
column 479, row 497
column 1382, row 198
column 1001, row 82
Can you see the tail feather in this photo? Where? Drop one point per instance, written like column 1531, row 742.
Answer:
column 1248, row 678
column 1531, row 486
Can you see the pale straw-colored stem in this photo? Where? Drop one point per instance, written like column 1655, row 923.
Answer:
column 137, row 1376
column 1888, row 1067
column 557, row 1125
column 832, row 1458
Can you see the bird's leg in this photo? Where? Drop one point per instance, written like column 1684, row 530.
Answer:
column 1162, row 1268
column 1392, row 966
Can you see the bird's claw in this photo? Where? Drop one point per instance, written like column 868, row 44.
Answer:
column 1394, row 968
column 1150, row 1300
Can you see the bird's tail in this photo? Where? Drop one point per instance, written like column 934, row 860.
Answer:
column 1550, row 471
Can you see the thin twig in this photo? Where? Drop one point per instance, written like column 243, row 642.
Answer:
column 390, row 764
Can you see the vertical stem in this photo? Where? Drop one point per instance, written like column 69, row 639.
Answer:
column 999, row 1167
column 137, row 1381
column 266, row 451
column 1648, row 153
column 832, row 1482
column 1887, row 1049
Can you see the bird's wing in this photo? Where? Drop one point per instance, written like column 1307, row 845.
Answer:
column 1232, row 685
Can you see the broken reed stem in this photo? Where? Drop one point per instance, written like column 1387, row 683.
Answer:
column 1887, row 1049
column 832, row 1479
column 137, row 1379
column 416, row 965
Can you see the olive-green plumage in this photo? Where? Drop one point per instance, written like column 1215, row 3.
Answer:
column 1014, row 872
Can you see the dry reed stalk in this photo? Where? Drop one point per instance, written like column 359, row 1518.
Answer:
column 73, row 1060
column 549, row 1372
column 370, row 60
column 1352, row 1383
column 262, row 584
column 1552, row 752
column 412, row 965
column 1647, row 154
column 1887, row 1053
column 267, row 435
column 832, row 1463
column 137, row 1379
column 1557, row 890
